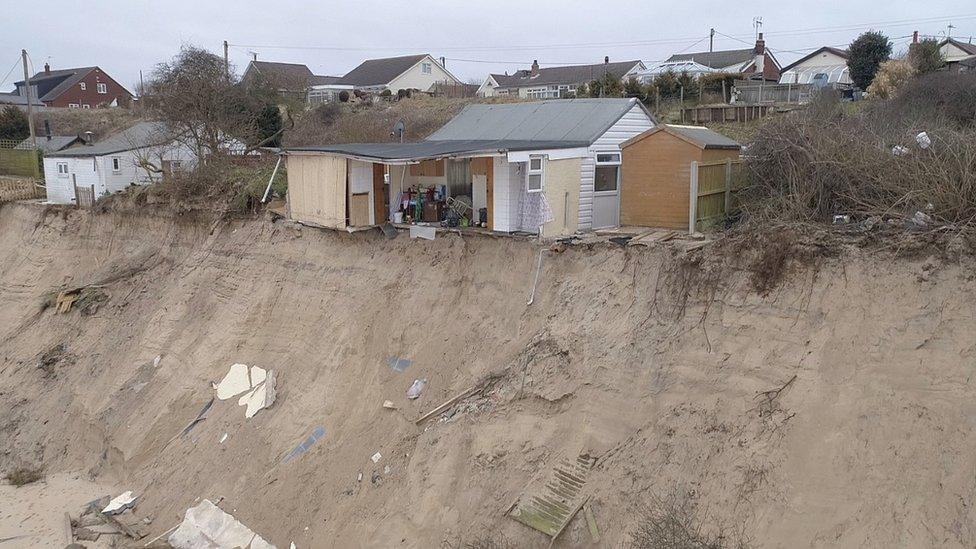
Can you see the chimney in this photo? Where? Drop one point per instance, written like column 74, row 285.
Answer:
column 606, row 60
column 47, row 68
column 915, row 37
column 760, row 51
column 47, row 129
column 535, row 68
column 89, row 137
column 443, row 61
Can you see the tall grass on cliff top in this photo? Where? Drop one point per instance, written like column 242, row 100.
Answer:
column 863, row 159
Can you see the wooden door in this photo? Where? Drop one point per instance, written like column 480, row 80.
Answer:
column 381, row 195
column 359, row 210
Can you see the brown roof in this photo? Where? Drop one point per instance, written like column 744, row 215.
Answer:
column 573, row 74
column 282, row 75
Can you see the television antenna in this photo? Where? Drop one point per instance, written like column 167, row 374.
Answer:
column 757, row 23
column 398, row 130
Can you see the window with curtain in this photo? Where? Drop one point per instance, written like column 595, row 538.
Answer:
column 459, row 178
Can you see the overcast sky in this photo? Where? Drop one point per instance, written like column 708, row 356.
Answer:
column 332, row 37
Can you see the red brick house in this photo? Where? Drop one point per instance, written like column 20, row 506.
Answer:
column 84, row 88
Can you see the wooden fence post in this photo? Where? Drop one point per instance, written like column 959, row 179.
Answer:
column 728, row 186
column 74, row 183
column 693, row 196
column 92, row 204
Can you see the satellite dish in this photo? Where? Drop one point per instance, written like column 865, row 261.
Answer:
column 398, row 130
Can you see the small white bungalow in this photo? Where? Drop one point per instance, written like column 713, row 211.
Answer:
column 114, row 163
column 412, row 72
column 519, row 166
column 826, row 66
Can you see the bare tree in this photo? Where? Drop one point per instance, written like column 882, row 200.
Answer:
column 201, row 103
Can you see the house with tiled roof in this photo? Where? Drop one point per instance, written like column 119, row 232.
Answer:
column 83, row 87
column 959, row 56
column 956, row 50
column 411, row 72
column 756, row 63
column 555, row 82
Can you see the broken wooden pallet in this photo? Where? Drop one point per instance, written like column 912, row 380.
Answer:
column 550, row 508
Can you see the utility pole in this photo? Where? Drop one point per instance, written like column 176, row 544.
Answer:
column 226, row 61
column 30, row 102
column 949, row 30
column 142, row 84
column 711, row 40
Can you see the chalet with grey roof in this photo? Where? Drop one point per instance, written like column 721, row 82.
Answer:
column 544, row 166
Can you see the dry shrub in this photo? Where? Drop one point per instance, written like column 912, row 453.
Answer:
column 937, row 95
column 223, row 185
column 836, row 158
column 891, row 76
column 675, row 522
column 22, row 476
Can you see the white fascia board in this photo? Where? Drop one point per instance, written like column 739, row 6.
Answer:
column 552, row 154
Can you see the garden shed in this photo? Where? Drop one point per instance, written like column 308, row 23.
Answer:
column 656, row 181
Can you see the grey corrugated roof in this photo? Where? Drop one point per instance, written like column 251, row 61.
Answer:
column 717, row 59
column 376, row 72
column 425, row 150
column 143, row 134
column 578, row 120
column 574, row 74
column 49, row 145
column 709, row 139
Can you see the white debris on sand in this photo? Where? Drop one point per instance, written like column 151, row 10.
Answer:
column 257, row 384
column 207, row 526
column 234, row 383
column 121, row 502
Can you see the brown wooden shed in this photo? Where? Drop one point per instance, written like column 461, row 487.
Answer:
column 656, row 172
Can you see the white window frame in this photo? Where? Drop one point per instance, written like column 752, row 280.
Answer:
column 541, row 172
column 614, row 160
column 116, row 164
column 102, row 87
column 85, row 106
column 74, row 106
column 426, row 68
column 62, row 169
column 83, row 86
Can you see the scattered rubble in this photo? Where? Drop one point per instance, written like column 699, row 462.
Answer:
column 416, row 389
column 318, row 433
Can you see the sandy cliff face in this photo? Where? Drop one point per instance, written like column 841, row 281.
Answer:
column 650, row 364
